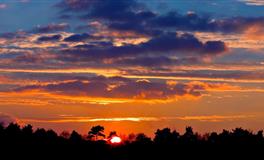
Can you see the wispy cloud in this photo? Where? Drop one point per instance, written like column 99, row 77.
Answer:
column 120, row 89
column 73, row 119
column 253, row 2
column 216, row 118
column 3, row 5
column 5, row 119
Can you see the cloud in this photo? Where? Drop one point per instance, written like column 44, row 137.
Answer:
column 124, row 15
column 3, row 5
column 76, row 119
column 49, row 38
column 166, row 44
column 116, row 88
column 13, row 35
column 131, row 15
column 51, row 28
column 106, row 9
column 75, row 5
column 5, row 119
column 77, row 37
column 194, row 22
column 253, row 2
column 195, row 74
column 153, row 61
column 71, row 119
column 123, row 88
column 158, row 68
column 215, row 118
column 52, row 89
column 24, row 1
column 252, row 38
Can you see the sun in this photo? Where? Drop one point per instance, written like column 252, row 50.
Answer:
column 115, row 140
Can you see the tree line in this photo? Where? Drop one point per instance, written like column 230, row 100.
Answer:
column 166, row 143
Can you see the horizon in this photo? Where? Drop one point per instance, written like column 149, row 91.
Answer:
column 132, row 66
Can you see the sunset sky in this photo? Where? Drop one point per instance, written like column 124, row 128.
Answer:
column 132, row 65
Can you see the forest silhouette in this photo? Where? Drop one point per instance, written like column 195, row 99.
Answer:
column 24, row 142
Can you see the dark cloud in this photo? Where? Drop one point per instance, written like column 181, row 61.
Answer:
column 214, row 47
column 181, row 22
column 28, row 59
column 194, row 22
column 134, row 16
column 114, row 10
column 120, row 15
column 51, row 28
column 49, row 38
column 166, row 44
column 118, row 11
column 118, row 87
column 13, row 35
column 77, row 37
column 189, row 22
column 136, row 27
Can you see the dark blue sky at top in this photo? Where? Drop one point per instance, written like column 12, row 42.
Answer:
column 26, row 14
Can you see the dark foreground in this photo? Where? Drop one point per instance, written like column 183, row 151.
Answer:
column 24, row 143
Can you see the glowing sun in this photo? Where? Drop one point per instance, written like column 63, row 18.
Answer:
column 115, row 139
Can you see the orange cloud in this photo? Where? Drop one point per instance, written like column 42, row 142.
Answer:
column 215, row 118
column 251, row 38
column 253, row 2
column 74, row 119
column 107, row 90
column 255, row 32
column 115, row 90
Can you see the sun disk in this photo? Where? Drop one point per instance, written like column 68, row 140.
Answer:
column 115, row 139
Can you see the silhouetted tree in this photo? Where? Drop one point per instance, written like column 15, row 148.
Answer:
column 213, row 138
column 165, row 136
column 27, row 130
column 51, row 136
column 95, row 132
column 65, row 134
column 75, row 137
column 225, row 137
column 40, row 136
column 13, row 129
column 13, row 132
column 260, row 134
column 2, row 129
column 111, row 134
column 142, row 139
column 189, row 136
column 131, row 137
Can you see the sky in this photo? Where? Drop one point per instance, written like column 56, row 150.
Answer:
column 132, row 65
